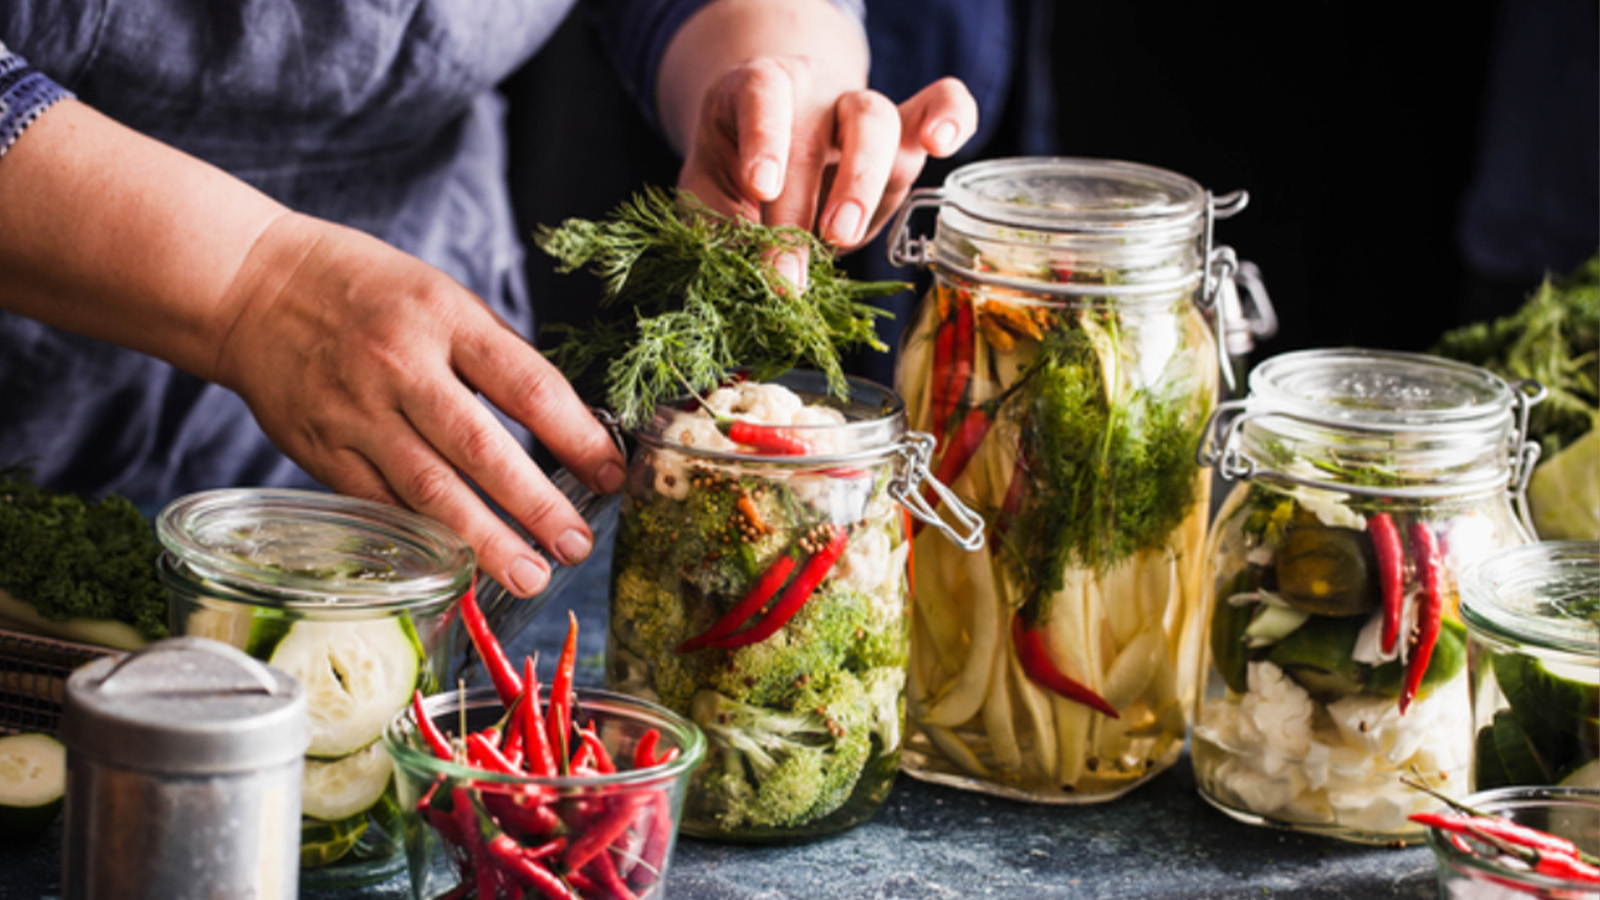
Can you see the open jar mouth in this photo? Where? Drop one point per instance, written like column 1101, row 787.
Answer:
column 325, row 554
column 598, row 706
column 875, row 422
column 1539, row 595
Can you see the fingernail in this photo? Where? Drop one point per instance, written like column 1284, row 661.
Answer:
column 764, row 177
column 610, row 478
column 846, row 226
column 788, row 265
column 573, row 546
column 527, row 575
column 944, row 136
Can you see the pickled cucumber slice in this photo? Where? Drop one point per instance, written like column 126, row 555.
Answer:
column 1557, row 705
column 356, row 674
column 1519, row 756
column 1319, row 657
column 341, row 788
column 33, row 780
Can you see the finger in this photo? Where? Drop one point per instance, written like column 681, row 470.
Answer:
column 470, row 438
column 942, row 116
column 868, row 131
column 520, row 382
column 427, row 483
column 762, row 97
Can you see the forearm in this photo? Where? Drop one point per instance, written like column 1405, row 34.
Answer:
column 115, row 236
column 729, row 32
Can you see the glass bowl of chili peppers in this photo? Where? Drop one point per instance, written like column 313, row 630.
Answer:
column 517, row 790
column 1518, row 842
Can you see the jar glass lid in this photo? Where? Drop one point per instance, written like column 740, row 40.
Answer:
column 1067, row 194
column 1545, row 594
column 321, row 548
column 1380, row 389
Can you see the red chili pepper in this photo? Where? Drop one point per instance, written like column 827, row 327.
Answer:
column 911, row 551
column 1503, row 828
column 761, row 590
column 765, row 438
column 429, row 730
column 509, row 855
column 524, row 814
column 482, row 753
column 654, row 854
column 1430, row 607
column 952, row 362
column 552, row 847
column 506, row 682
column 794, row 596
column 962, row 447
column 603, row 831
column 1386, row 547
column 1012, row 504
column 1555, row 865
column 604, row 870
column 644, row 752
column 469, row 829
column 539, row 759
column 602, row 756
column 561, row 694
column 1035, row 660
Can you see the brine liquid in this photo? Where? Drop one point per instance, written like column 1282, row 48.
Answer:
column 1131, row 634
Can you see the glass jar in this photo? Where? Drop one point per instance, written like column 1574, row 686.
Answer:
column 1063, row 361
column 1336, row 661
column 1533, row 651
column 351, row 598
column 759, row 587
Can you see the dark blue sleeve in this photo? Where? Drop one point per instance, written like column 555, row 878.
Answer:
column 635, row 34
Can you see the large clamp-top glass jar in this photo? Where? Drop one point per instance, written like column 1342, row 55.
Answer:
column 759, row 588
column 1063, row 360
column 1336, row 664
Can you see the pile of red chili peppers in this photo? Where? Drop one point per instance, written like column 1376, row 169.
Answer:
column 516, row 840
column 1386, row 547
column 1540, row 851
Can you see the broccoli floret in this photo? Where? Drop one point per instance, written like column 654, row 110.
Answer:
column 780, row 768
column 647, row 622
column 71, row 558
column 776, row 671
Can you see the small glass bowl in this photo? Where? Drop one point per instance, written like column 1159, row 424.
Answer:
column 652, row 798
column 1568, row 812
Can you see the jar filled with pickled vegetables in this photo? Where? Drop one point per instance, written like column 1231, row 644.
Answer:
column 1063, row 360
column 1533, row 651
column 1336, row 665
column 759, row 587
column 351, row 598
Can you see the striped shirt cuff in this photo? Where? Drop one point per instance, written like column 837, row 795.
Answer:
column 25, row 93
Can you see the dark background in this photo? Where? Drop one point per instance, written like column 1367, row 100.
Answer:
column 1362, row 132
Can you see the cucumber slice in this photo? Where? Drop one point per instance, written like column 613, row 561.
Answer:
column 340, row 788
column 357, row 675
column 1319, row 656
column 323, row 843
column 1519, row 756
column 1487, row 770
column 33, row 779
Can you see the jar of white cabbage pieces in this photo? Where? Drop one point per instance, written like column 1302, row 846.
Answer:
column 1335, row 666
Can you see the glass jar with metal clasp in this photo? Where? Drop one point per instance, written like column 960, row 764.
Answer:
column 759, row 587
column 1064, row 358
column 1335, row 661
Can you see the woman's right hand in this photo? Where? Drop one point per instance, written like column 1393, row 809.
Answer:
column 366, row 365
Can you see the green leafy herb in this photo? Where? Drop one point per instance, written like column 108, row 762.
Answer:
column 1110, row 475
column 1555, row 340
column 69, row 557
column 707, row 302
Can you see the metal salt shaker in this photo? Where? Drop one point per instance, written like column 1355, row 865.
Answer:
column 184, row 763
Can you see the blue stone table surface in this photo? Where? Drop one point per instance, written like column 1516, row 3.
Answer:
column 930, row 841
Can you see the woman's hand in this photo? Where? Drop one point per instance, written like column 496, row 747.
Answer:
column 768, row 103
column 363, row 365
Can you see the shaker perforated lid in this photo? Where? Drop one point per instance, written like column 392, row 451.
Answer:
column 185, row 705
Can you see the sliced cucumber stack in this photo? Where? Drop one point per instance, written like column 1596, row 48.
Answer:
column 357, row 675
column 33, row 780
column 341, row 788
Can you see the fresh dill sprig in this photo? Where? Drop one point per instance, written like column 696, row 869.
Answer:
column 706, row 302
